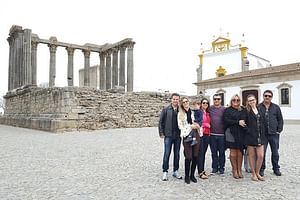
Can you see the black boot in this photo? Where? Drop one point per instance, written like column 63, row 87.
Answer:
column 193, row 168
column 187, row 165
column 187, row 180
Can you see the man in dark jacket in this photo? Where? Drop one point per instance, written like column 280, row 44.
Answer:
column 273, row 128
column 169, row 131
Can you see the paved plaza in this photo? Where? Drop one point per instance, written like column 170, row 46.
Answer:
column 125, row 164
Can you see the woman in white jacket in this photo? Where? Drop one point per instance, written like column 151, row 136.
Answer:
column 186, row 125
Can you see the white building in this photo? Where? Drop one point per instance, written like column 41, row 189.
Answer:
column 231, row 69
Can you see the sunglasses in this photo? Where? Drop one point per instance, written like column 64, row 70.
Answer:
column 270, row 96
column 204, row 102
column 236, row 100
column 217, row 99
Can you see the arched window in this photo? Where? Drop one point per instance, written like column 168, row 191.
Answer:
column 284, row 94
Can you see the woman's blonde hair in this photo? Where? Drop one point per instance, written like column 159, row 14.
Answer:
column 181, row 110
column 234, row 97
column 248, row 107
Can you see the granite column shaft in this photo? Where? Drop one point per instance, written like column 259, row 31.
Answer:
column 34, row 61
column 102, row 72
column 26, row 64
column 130, row 67
column 52, row 69
column 10, row 67
column 70, row 72
column 115, row 70
column 122, row 67
column 108, row 70
column 86, row 67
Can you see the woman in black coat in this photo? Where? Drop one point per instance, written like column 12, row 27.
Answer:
column 254, row 137
column 234, row 123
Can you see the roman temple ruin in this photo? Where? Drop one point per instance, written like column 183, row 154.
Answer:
column 112, row 104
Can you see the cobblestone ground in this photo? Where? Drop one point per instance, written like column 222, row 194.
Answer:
column 124, row 164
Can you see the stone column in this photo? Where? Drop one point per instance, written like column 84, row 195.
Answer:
column 34, row 44
column 14, row 62
column 102, row 71
column 130, row 66
column 26, row 65
column 15, row 33
column 122, row 66
column 70, row 72
column 52, row 69
column 86, row 81
column 19, row 58
column 108, row 70
column 10, row 68
column 115, row 69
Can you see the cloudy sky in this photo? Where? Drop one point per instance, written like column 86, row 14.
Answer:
column 168, row 34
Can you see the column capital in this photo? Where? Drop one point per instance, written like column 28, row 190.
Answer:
column 34, row 41
column 52, row 48
column 102, row 55
column 130, row 45
column 14, row 30
column 122, row 47
column 108, row 52
column 70, row 51
column 115, row 50
column 34, row 44
column 9, row 40
column 86, row 53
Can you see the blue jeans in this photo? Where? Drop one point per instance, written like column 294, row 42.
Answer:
column 273, row 140
column 168, row 141
column 204, row 142
column 217, row 147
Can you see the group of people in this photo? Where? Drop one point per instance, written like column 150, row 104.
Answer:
column 244, row 130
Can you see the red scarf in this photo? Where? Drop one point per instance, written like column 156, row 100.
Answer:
column 206, row 123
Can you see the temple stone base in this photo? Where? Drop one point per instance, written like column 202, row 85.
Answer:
column 73, row 108
column 46, row 124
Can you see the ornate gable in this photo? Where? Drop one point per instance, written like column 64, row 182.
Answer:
column 220, row 44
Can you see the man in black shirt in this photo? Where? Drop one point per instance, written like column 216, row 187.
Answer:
column 273, row 127
column 169, row 131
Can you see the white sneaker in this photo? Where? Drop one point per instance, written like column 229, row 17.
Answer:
column 165, row 176
column 176, row 175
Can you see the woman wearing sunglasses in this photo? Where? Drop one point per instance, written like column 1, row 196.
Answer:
column 204, row 141
column 254, row 137
column 234, row 123
column 186, row 124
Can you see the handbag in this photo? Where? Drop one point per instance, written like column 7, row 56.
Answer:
column 228, row 136
column 189, row 137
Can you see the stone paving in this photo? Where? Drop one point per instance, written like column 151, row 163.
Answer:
column 124, row 164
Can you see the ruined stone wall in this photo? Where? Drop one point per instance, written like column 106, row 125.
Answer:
column 72, row 108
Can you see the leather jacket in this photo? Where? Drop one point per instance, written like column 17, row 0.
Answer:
column 165, row 126
column 273, row 118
